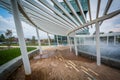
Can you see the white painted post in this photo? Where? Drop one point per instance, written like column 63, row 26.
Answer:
column 39, row 42
column 68, row 39
column 21, row 39
column 83, row 40
column 57, row 40
column 61, row 40
column 107, row 40
column 75, row 44
column 79, row 41
column 98, row 44
column 114, row 40
column 94, row 39
column 48, row 39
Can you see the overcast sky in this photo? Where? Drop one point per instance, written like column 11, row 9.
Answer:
column 7, row 22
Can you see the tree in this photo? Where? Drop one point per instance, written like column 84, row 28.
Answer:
column 94, row 33
column 8, row 38
column 110, row 32
column 2, row 38
column 33, row 39
column 101, row 32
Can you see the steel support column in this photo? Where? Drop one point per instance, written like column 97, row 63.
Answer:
column 98, row 44
column 61, row 40
column 57, row 40
column 21, row 38
column 75, row 44
column 39, row 42
column 79, row 40
column 48, row 39
column 107, row 40
column 114, row 39
column 68, row 39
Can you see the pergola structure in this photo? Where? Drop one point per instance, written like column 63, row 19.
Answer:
column 44, row 16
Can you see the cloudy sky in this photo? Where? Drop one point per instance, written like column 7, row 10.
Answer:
column 7, row 22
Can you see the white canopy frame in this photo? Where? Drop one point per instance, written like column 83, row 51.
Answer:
column 36, row 13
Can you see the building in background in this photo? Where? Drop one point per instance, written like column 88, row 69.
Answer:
column 84, row 4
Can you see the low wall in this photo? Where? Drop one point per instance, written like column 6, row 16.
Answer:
column 8, row 68
column 105, row 60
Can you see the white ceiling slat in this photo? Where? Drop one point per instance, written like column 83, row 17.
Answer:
column 33, row 10
column 58, row 13
column 110, row 15
column 33, row 14
column 54, row 21
column 48, row 12
column 66, row 12
column 50, row 27
column 81, row 10
column 107, row 8
column 98, row 8
column 73, row 11
column 89, row 10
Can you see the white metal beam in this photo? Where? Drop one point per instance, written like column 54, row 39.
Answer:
column 98, row 8
column 110, row 15
column 38, row 16
column 68, row 40
column 41, row 7
column 114, row 40
column 57, row 40
column 39, row 12
column 98, row 55
column 48, row 39
column 66, row 12
column 73, row 11
column 58, row 13
column 21, row 37
column 107, row 40
column 81, row 10
column 89, row 10
column 61, row 40
column 107, row 8
column 75, row 44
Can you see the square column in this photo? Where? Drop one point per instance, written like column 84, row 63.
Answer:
column 21, row 38
column 75, row 44
column 98, row 44
column 57, row 40
column 39, row 42
column 114, row 40
column 68, row 39
column 107, row 40
column 48, row 39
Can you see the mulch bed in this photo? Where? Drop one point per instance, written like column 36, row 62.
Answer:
column 59, row 64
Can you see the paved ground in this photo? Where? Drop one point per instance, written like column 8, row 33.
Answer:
column 57, row 63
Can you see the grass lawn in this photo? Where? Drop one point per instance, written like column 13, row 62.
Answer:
column 7, row 55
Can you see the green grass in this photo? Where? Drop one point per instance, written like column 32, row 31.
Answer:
column 27, row 44
column 7, row 55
